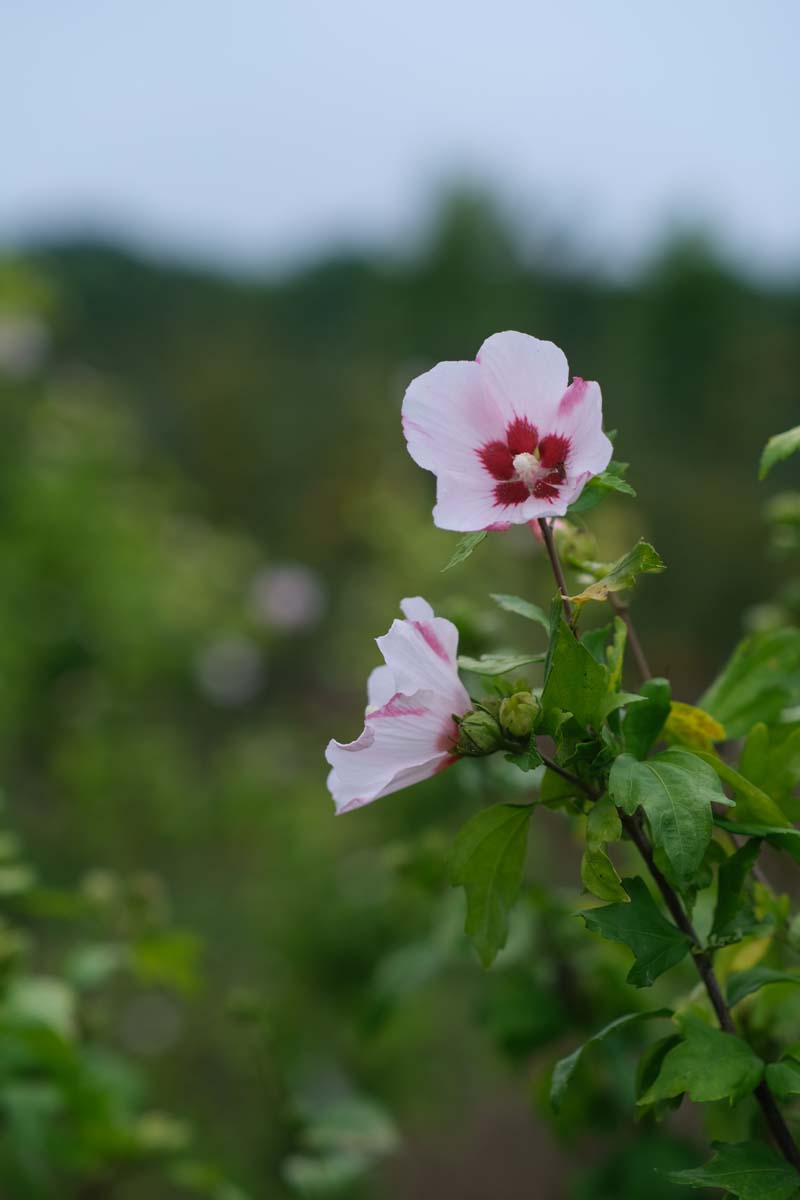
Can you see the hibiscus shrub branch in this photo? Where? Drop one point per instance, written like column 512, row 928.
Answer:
column 511, row 441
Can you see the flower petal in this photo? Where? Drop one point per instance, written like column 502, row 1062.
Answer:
column 447, row 418
column 381, row 687
column 580, row 418
column 346, row 800
column 422, row 654
column 406, row 740
column 414, row 608
column 467, row 508
column 440, row 635
column 524, row 376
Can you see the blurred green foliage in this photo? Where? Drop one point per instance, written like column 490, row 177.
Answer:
column 206, row 514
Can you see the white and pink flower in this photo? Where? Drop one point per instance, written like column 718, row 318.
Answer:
column 507, row 439
column 409, row 732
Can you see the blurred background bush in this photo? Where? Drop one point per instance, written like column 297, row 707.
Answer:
column 209, row 985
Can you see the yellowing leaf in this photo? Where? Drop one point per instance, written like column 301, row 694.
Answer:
column 623, row 573
column 742, row 956
column 693, row 727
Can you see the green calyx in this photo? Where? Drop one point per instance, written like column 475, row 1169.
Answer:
column 479, row 733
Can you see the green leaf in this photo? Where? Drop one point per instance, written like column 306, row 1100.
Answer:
column 170, row 958
column 497, row 664
column 555, row 791
column 779, row 447
column 615, row 654
column 771, row 760
column 465, row 547
column 575, row 681
column 783, row 1078
column 595, row 641
column 341, row 1140
column 488, row 860
column 707, row 1065
column 749, row 1170
column 760, row 680
column 529, row 759
column 642, row 559
column 744, row 983
column 751, row 803
column 650, row 1064
column 603, row 823
column 676, row 792
column 602, row 485
column 783, row 839
column 655, row 941
column 523, row 608
column 599, row 875
column 733, row 919
column 643, row 722
column 565, row 1068
column 318, row 1175
column 43, row 1000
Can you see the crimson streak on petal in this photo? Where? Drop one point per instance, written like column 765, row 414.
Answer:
column 511, row 493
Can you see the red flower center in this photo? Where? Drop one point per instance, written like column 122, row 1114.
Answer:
column 525, row 466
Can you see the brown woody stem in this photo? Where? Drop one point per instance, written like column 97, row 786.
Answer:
column 634, row 828
column 555, row 563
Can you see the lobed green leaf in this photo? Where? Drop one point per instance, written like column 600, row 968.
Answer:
column 487, row 861
column 708, row 1065
column 656, row 943
column 748, row 1170
column 575, row 682
column 675, row 790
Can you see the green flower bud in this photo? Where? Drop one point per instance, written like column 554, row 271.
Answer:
column 478, row 733
column 519, row 713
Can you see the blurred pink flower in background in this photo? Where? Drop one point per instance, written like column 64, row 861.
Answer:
column 507, row 439
column 230, row 671
column 409, row 731
column 288, row 597
column 24, row 342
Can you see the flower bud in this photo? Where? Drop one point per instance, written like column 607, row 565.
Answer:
column 519, row 713
column 478, row 733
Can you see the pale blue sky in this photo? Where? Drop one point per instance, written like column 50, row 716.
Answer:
column 261, row 129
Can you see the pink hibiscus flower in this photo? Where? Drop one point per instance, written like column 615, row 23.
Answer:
column 507, row 439
column 409, row 733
